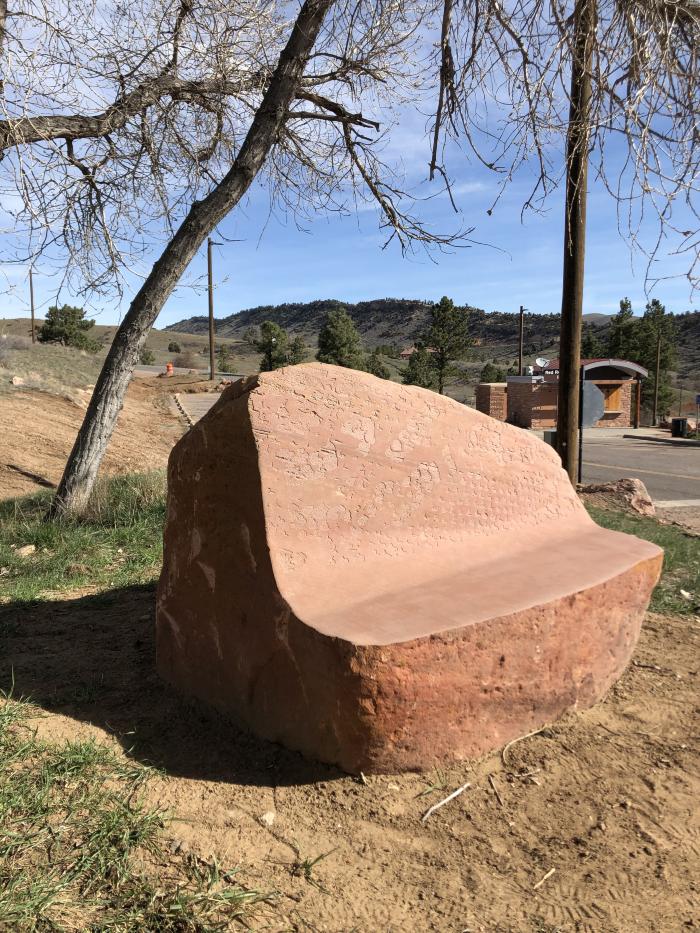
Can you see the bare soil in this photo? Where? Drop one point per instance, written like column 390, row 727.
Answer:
column 591, row 825
column 38, row 431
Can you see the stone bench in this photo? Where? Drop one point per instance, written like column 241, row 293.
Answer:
column 384, row 579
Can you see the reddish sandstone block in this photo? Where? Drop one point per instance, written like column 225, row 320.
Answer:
column 382, row 578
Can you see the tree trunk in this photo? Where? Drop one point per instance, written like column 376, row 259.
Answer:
column 108, row 397
column 575, row 236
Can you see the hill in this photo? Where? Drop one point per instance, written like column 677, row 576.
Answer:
column 400, row 321
column 386, row 321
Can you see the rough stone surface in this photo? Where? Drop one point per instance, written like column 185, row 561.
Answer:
column 382, row 578
column 630, row 492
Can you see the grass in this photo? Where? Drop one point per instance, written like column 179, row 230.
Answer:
column 117, row 543
column 50, row 368
column 80, row 850
column 681, row 558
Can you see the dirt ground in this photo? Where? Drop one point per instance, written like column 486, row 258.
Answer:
column 38, row 431
column 591, row 825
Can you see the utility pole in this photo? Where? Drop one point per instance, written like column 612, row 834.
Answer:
column 212, row 368
column 656, row 379
column 575, row 236
column 521, row 330
column 31, row 303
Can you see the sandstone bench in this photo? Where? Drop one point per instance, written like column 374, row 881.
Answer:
column 382, row 578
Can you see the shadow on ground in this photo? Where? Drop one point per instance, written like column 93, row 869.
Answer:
column 93, row 659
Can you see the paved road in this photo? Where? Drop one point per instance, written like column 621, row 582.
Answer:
column 669, row 470
column 143, row 370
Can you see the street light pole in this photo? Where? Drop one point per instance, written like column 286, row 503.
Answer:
column 656, row 379
column 31, row 303
column 521, row 330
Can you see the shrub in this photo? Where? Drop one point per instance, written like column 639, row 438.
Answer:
column 188, row 360
column 68, row 326
column 174, row 347
column 147, row 357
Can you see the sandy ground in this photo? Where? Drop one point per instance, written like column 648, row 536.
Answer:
column 591, row 825
column 38, row 431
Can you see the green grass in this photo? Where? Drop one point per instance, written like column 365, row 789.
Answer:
column 117, row 543
column 681, row 558
column 80, row 849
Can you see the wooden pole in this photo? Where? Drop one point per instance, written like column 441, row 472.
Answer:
column 520, row 340
column 31, row 303
column 656, row 380
column 212, row 368
column 575, row 237
column 638, row 403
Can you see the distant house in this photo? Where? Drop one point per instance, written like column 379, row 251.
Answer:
column 531, row 401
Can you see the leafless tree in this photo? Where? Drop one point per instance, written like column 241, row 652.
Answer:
column 124, row 123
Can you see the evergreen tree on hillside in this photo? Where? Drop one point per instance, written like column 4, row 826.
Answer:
column 623, row 341
column 339, row 342
column 272, row 343
column 68, row 326
column 224, row 357
column 420, row 370
column 657, row 322
column 591, row 345
column 376, row 365
column 448, row 336
column 491, row 373
column 297, row 351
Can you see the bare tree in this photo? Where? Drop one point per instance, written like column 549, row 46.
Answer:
column 155, row 118
column 126, row 123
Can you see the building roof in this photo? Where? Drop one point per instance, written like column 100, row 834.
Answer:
column 627, row 366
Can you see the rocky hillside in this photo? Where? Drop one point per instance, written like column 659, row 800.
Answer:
column 398, row 322
column 392, row 321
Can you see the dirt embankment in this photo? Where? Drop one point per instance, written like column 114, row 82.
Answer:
column 38, row 431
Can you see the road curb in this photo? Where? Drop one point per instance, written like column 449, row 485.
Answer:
column 673, row 441
column 181, row 407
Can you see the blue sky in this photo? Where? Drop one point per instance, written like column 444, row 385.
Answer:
column 273, row 261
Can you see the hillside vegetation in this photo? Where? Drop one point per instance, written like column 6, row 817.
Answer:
column 400, row 321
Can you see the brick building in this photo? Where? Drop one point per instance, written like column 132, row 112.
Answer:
column 531, row 401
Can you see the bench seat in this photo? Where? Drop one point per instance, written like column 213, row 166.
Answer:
column 384, row 579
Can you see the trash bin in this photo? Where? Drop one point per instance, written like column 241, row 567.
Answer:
column 679, row 427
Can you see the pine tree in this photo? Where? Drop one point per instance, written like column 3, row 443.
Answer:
column 448, row 336
column 224, row 357
column 339, row 342
column 297, row 351
column 420, row 370
column 623, row 334
column 376, row 365
column 491, row 373
column 657, row 323
column 68, row 326
column 591, row 345
column 272, row 343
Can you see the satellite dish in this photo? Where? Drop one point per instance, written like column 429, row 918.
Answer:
column 542, row 362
